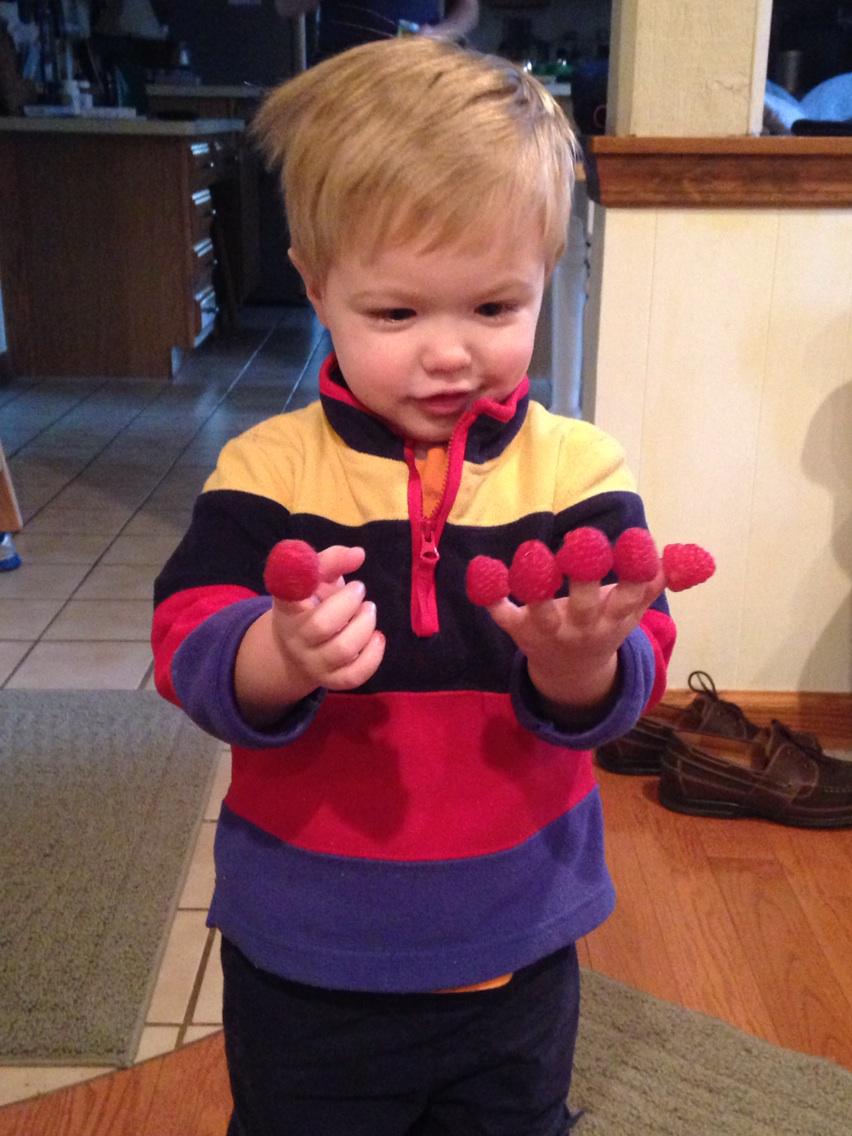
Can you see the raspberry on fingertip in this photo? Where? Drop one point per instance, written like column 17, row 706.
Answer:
column 533, row 574
column 292, row 571
column 635, row 557
column 585, row 555
column 486, row 581
column 686, row 565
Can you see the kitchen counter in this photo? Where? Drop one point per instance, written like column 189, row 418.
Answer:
column 132, row 127
column 206, row 90
column 175, row 99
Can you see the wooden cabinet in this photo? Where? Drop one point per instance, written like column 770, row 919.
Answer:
column 114, row 240
column 235, row 192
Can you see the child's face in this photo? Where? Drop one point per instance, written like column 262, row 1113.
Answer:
column 419, row 336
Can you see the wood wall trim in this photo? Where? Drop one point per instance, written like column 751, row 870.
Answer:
column 780, row 172
column 826, row 714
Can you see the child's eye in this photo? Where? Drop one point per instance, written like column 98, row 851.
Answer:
column 495, row 308
column 394, row 315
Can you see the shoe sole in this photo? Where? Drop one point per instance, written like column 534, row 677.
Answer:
column 728, row 810
column 631, row 768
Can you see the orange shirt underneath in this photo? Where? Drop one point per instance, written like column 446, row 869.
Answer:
column 432, row 468
column 490, row 984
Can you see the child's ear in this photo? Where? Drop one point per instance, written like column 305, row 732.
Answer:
column 312, row 286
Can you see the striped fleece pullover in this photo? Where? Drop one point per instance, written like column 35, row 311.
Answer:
column 432, row 828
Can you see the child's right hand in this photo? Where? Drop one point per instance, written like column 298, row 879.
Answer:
column 331, row 637
column 328, row 640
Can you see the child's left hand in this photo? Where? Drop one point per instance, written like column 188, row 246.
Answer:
column 571, row 643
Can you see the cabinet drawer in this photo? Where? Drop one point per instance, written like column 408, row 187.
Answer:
column 225, row 156
column 202, row 164
column 201, row 214
column 206, row 310
column 203, row 257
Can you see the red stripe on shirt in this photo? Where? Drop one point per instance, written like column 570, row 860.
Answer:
column 177, row 617
column 398, row 776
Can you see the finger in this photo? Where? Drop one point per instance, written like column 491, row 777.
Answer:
column 334, row 562
column 344, row 648
column 508, row 616
column 585, row 598
column 340, row 560
column 363, row 668
column 629, row 600
column 625, row 600
column 332, row 614
column 544, row 617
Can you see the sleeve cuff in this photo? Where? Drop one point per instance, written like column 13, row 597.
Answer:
column 203, row 677
column 636, row 668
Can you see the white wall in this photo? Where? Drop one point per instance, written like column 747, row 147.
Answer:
column 720, row 354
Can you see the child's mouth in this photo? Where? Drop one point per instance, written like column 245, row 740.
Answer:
column 444, row 405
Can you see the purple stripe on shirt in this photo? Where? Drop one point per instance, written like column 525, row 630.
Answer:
column 636, row 672
column 203, row 677
column 358, row 924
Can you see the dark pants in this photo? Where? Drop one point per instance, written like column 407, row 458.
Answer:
column 310, row 1062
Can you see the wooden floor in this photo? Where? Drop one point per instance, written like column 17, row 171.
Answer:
column 747, row 921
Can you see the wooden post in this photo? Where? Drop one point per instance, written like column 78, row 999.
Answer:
column 10, row 514
column 687, row 68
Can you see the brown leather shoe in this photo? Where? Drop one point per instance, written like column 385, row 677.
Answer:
column 780, row 776
column 639, row 750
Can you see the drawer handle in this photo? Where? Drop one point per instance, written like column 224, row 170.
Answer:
column 202, row 197
column 199, row 149
column 206, row 299
column 201, row 248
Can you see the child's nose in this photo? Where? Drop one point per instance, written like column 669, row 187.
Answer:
column 445, row 354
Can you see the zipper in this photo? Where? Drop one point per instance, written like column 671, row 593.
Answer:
column 424, row 593
column 426, row 530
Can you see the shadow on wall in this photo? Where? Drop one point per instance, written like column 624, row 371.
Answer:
column 827, row 460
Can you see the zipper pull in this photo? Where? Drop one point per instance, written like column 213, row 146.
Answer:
column 428, row 548
column 424, row 602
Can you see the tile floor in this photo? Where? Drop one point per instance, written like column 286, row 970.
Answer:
column 106, row 472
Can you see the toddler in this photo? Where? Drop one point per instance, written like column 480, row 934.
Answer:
column 411, row 843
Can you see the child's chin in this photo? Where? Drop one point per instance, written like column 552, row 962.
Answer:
column 433, row 434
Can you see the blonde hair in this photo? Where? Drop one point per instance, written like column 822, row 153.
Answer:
column 411, row 139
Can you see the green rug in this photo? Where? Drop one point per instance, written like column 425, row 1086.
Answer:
column 101, row 797
column 647, row 1066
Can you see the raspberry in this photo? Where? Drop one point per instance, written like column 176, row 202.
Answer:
column 586, row 554
column 686, row 565
column 635, row 557
column 292, row 571
column 533, row 576
column 487, row 581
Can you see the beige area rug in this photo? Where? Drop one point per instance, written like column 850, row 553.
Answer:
column 101, row 797
column 648, row 1068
